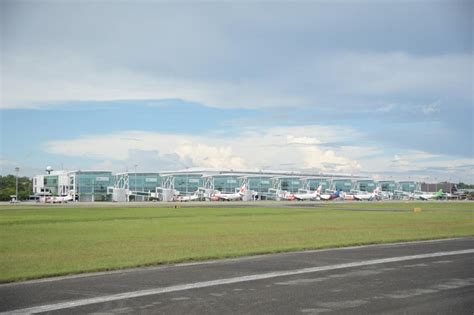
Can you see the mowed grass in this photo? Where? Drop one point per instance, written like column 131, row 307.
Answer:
column 39, row 242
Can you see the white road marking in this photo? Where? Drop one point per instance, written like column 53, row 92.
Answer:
column 205, row 284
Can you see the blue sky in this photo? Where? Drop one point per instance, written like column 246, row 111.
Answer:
column 378, row 88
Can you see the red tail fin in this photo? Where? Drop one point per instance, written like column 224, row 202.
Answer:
column 318, row 191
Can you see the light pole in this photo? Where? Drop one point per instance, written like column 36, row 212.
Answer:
column 17, row 170
column 135, row 177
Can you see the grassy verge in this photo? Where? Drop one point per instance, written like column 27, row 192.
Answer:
column 39, row 242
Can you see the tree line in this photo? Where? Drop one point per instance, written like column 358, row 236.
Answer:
column 464, row 186
column 7, row 187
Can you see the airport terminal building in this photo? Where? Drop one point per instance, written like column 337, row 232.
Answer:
column 94, row 185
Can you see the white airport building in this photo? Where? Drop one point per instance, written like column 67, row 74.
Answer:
column 94, row 185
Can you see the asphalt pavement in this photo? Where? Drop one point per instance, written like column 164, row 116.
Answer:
column 430, row 277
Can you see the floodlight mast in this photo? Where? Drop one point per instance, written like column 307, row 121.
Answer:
column 135, row 177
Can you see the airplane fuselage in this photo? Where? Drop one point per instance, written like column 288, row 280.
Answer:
column 228, row 197
column 189, row 198
column 305, row 196
column 61, row 199
column 329, row 197
column 363, row 197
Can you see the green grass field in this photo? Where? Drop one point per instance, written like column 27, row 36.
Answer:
column 47, row 241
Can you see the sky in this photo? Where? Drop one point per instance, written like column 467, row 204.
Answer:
column 372, row 88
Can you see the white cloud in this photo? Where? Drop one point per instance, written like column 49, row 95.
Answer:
column 249, row 150
column 209, row 156
column 421, row 166
column 30, row 81
column 399, row 162
column 188, row 149
column 432, row 108
column 287, row 148
column 328, row 160
column 290, row 139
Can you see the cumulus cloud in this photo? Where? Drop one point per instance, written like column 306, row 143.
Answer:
column 203, row 155
column 182, row 150
column 249, row 150
column 328, row 160
column 286, row 148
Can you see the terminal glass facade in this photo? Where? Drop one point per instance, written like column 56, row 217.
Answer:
column 314, row 183
column 187, row 183
column 291, row 184
column 342, row 185
column 50, row 182
column 365, row 185
column 144, row 182
column 388, row 185
column 227, row 184
column 92, row 186
column 407, row 186
column 260, row 184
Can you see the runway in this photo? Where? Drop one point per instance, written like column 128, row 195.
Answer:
column 419, row 277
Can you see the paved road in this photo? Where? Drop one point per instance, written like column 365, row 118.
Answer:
column 423, row 277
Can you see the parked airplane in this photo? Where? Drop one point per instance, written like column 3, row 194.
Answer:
column 308, row 196
column 284, row 195
column 228, row 197
column 404, row 195
column 62, row 199
column 367, row 196
column 332, row 196
column 193, row 197
column 429, row 196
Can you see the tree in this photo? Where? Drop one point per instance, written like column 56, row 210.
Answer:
column 464, row 186
column 8, row 187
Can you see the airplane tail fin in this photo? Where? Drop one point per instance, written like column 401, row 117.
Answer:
column 243, row 189
column 318, row 191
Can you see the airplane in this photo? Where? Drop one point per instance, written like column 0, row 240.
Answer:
column 367, row 196
column 307, row 196
column 283, row 195
column 437, row 195
column 228, row 197
column 400, row 194
column 193, row 197
column 332, row 196
column 61, row 199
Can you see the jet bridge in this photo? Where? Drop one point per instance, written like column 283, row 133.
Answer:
column 287, row 183
column 312, row 183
